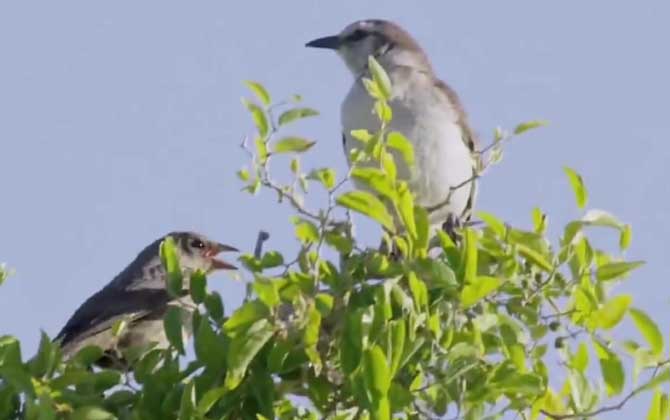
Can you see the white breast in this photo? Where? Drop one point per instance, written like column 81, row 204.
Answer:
column 425, row 116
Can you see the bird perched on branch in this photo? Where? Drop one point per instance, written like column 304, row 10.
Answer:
column 139, row 296
column 425, row 110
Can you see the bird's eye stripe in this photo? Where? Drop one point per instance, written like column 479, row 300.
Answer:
column 357, row 35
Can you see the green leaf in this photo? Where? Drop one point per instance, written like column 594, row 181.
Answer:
column 187, row 404
column 91, row 413
column 272, row 259
column 529, row 125
column 626, row 237
column 324, row 303
column 306, row 231
column 535, row 258
column 311, row 338
column 399, row 142
column 295, row 114
column 406, row 209
column 325, row 176
column 383, row 111
column 361, row 135
column 655, row 409
column 493, row 222
column 662, row 377
column 267, row 291
column 260, row 92
column 243, row 349
column 198, row 286
column 214, row 306
column 376, row 371
column 580, row 360
column 292, row 145
column 365, row 203
column 596, row 217
column 616, row 270
column 380, row 78
column 539, row 221
column 648, row 329
column 611, row 369
column 247, row 314
column 469, row 269
column 170, row 261
column 262, row 152
column 172, row 322
column 419, row 291
column 375, row 179
column 46, row 359
column 211, row 397
column 578, row 187
column 259, row 117
column 209, row 346
column 478, row 290
column 527, row 384
column 611, row 313
column 397, row 347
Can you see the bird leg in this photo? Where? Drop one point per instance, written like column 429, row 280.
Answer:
column 452, row 227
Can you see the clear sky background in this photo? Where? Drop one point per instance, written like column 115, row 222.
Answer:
column 120, row 122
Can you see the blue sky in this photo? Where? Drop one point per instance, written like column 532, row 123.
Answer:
column 120, row 122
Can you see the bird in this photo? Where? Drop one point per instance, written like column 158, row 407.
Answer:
column 425, row 110
column 139, row 296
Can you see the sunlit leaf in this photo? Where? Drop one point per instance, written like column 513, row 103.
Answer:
column 529, row 125
column 326, row 176
column 616, row 270
column 611, row 313
column 611, row 369
column 260, row 92
column 295, row 114
column 578, row 187
column 478, row 290
column 365, row 203
column 259, row 117
column 375, row 179
column 292, row 145
column 626, row 237
column 380, row 78
column 399, row 142
column 649, row 330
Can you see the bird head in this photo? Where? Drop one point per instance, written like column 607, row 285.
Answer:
column 386, row 41
column 199, row 252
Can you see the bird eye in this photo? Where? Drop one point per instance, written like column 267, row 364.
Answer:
column 357, row 35
column 197, row 243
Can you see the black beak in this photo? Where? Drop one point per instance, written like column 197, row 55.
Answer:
column 328, row 42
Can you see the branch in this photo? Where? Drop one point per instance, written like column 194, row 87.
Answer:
column 453, row 189
column 608, row 408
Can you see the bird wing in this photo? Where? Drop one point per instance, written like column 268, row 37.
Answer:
column 469, row 138
column 103, row 309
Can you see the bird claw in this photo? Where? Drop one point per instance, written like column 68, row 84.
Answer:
column 452, row 227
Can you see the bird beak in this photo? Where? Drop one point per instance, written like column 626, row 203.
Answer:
column 220, row 264
column 328, row 42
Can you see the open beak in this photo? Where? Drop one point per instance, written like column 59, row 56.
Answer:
column 328, row 42
column 218, row 264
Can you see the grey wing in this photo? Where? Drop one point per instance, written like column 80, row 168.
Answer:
column 470, row 140
column 103, row 309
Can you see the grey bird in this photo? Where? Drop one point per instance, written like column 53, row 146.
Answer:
column 139, row 296
column 425, row 110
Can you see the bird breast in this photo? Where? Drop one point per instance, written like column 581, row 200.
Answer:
column 425, row 116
